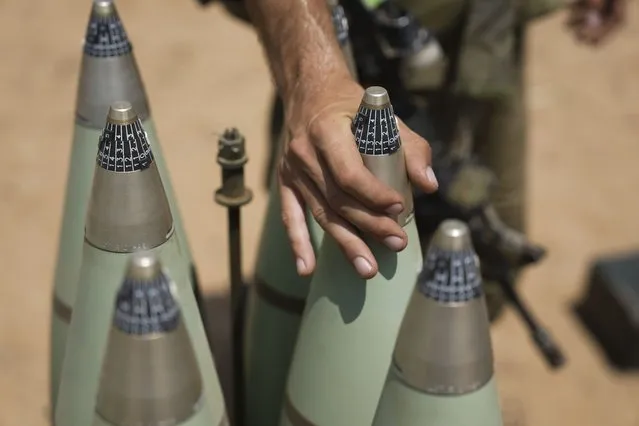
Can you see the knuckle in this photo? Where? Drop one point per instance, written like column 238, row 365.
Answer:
column 378, row 226
column 286, row 219
column 426, row 154
column 418, row 143
column 351, row 246
column 384, row 226
column 316, row 128
column 418, row 151
column 320, row 215
column 291, row 219
column 346, row 212
column 347, row 179
column 426, row 147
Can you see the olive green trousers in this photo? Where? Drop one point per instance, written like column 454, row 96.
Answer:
column 499, row 135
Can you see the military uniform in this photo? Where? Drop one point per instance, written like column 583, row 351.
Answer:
column 484, row 43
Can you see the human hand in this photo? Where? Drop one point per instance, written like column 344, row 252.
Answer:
column 321, row 168
column 594, row 20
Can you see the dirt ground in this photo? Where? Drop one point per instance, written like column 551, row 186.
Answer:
column 204, row 72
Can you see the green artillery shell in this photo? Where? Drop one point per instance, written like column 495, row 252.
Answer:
column 108, row 74
column 128, row 212
column 275, row 306
column 442, row 369
column 150, row 374
column 350, row 325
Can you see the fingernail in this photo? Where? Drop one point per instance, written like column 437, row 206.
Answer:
column 362, row 266
column 394, row 243
column 430, row 175
column 301, row 265
column 395, row 209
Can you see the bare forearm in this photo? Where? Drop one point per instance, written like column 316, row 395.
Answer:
column 300, row 43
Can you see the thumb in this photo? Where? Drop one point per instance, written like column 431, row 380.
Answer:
column 418, row 159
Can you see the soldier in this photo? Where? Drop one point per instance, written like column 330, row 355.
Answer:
column 483, row 41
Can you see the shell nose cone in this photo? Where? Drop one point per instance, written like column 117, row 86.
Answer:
column 376, row 96
column 103, row 7
column 375, row 125
column 451, row 270
column 105, row 35
column 121, row 112
column 452, row 235
column 124, row 145
column 150, row 374
column 128, row 210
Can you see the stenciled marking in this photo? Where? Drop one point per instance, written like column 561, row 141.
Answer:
column 450, row 276
column 145, row 307
column 124, row 147
column 397, row 374
column 376, row 131
column 106, row 37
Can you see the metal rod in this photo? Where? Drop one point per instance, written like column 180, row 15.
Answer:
column 233, row 195
column 235, row 251
column 235, row 267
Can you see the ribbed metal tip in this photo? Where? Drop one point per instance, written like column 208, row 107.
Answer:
column 451, row 269
column 103, row 7
column 452, row 235
column 145, row 302
column 124, row 145
column 376, row 97
column 105, row 35
column 150, row 374
column 143, row 267
column 121, row 112
column 375, row 125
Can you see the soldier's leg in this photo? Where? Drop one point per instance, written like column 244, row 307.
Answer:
column 501, row 146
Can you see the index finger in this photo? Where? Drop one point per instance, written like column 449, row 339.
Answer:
column 335, row 142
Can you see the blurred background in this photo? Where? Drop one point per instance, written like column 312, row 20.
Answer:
column 204, row 72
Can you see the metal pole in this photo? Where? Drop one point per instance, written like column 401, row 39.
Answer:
column 233, row 195
column 235, row 254
column 237, row 314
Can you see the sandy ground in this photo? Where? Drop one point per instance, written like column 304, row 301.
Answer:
column 204, row 72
